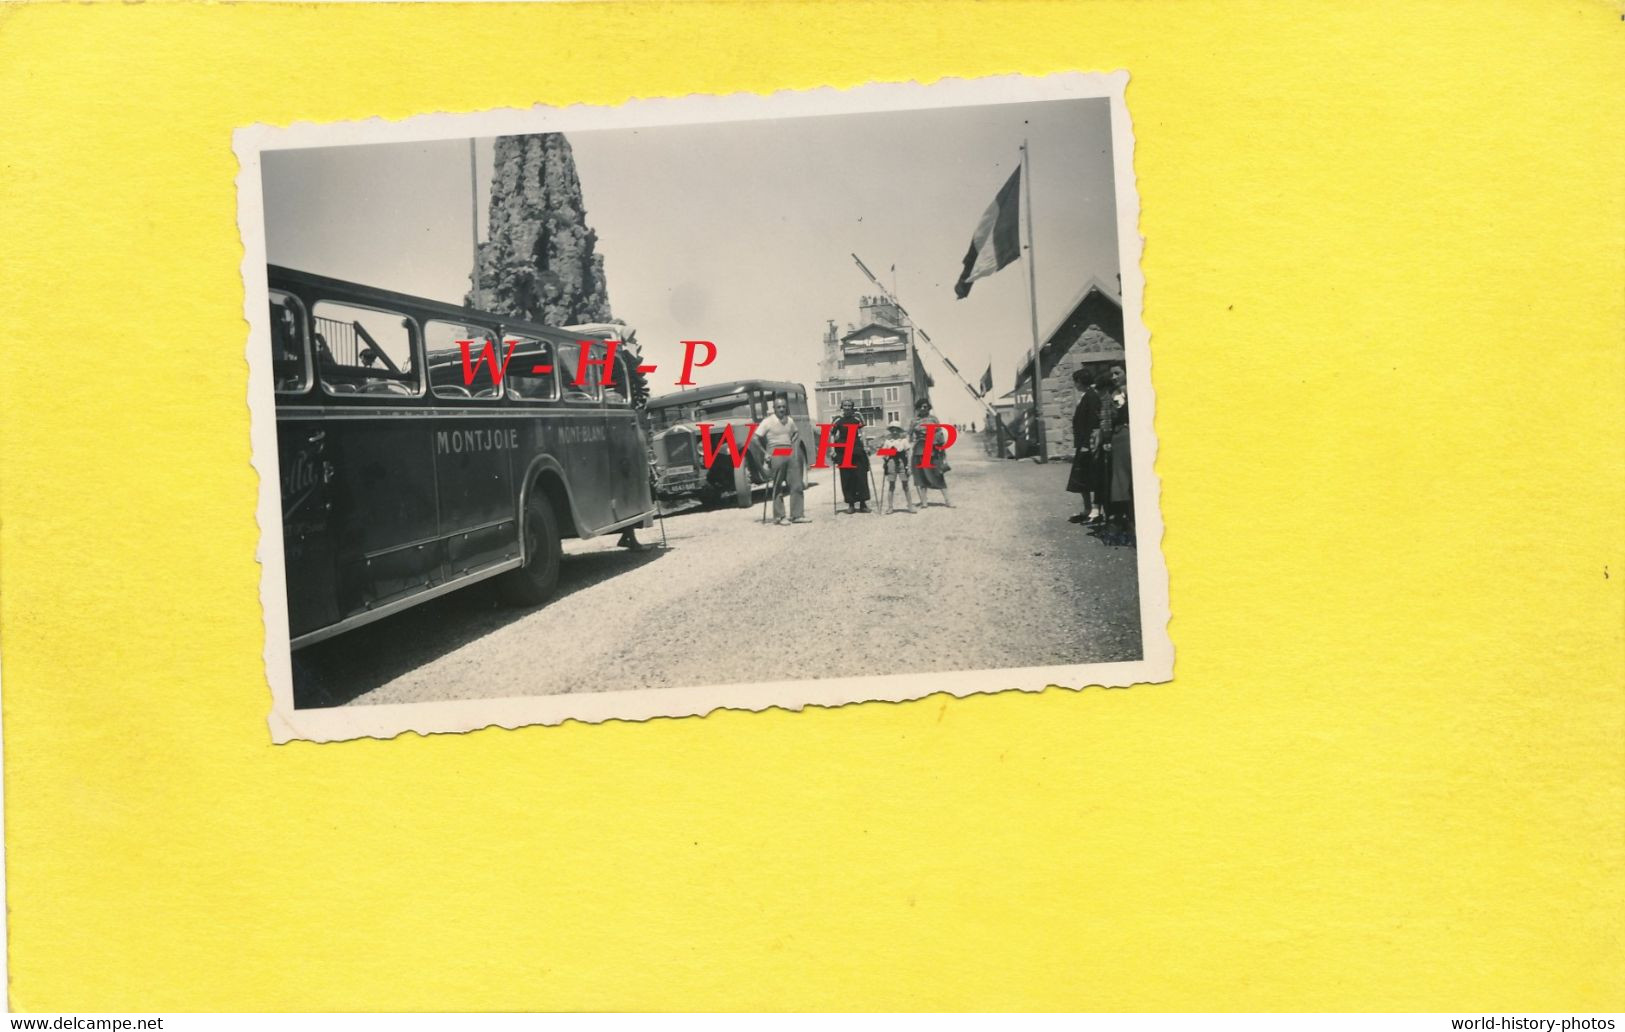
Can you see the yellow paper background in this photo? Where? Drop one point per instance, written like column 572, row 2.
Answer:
column 1384, row 261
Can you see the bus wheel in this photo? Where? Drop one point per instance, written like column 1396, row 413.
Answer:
column 742, row 490
column 533, row 582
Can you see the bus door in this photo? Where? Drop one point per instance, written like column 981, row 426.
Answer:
column 307, row 541
column 628, row 454
column 302, row 454
column 377, row 441
column 581, row 438
column 476, row 438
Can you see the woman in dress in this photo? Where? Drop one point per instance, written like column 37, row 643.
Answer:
column 854, row 481
column 933, row 477
column 1086, row 443
column 1115, row 422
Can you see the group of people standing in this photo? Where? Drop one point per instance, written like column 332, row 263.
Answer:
column 901, row 462
column 901, row 453
column 1102, row 467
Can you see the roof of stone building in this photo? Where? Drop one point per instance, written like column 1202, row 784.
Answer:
column 864, row 331
column 1094, row 305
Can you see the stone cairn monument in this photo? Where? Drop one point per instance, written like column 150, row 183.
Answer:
column 538, row 261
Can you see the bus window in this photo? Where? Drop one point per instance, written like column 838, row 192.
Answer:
column 524, row 381
column 620, row 392
column 569, row 363
column 729, row 407
column 445, row 354
column 290, row 359
column 668, row 416
column 364, row 351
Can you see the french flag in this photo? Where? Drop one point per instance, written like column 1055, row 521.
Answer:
column 997, row 241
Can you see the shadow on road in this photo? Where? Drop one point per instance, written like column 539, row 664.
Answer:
column 337, row 671
column 685, row 506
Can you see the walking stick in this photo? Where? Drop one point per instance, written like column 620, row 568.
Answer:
column 872, row 490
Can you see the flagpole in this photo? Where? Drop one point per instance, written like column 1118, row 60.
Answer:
column 474, row 219
column 1032, row 309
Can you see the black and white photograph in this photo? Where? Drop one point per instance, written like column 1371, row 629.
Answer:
column 714, row 402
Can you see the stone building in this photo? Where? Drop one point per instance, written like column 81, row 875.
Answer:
column 1089, row 335
column 873, row 364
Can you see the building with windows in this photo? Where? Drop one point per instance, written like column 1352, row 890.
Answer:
column 873, row 364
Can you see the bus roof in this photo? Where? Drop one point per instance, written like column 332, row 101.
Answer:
column 282, row 277
column 717, row 390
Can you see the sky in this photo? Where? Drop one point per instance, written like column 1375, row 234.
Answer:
column 741, row 232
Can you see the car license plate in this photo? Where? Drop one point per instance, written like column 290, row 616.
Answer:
column 677, row 471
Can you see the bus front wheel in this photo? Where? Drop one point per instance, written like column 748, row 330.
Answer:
column 533, row 583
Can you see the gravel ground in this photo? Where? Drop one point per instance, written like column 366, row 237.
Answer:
column 1001, row 579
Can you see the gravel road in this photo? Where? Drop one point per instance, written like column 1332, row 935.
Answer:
column 1001, row 579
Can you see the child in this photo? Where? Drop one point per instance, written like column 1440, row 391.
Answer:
column 894, row 450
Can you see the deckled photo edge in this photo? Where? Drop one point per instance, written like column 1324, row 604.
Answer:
column 384, row 721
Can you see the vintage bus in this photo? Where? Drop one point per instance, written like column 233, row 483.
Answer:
column 679, row 460
column 401, row 481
